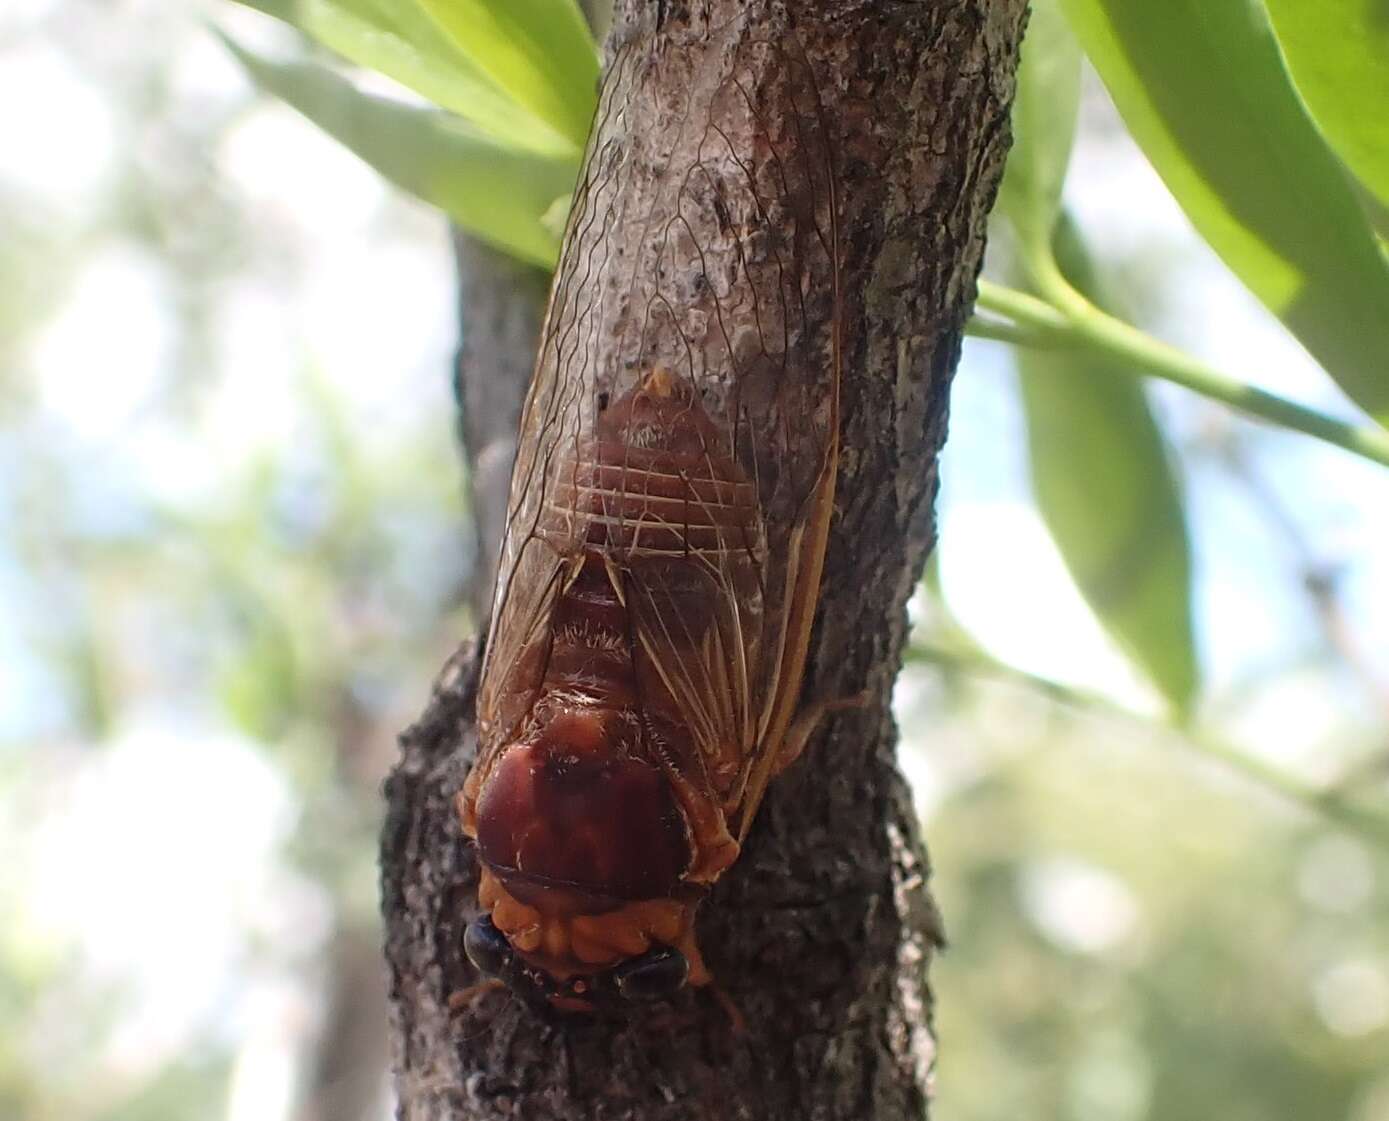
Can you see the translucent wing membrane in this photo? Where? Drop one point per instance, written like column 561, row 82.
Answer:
column 679, row 440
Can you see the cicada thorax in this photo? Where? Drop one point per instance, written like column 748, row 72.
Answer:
column 594, row 824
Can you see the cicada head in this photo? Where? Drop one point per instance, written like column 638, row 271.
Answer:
column 583, row 851
column 660, row 972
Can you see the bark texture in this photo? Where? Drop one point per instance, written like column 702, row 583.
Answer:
column 823, row 930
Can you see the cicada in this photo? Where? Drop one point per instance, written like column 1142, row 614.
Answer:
column 666, row 527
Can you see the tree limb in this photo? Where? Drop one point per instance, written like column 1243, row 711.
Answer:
column 822, row 932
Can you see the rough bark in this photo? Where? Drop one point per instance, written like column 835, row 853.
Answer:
column 823, row 930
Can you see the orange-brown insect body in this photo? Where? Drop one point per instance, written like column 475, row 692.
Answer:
column 666, row 531
column 583, row 834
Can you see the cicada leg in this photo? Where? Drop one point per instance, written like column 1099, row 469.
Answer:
column 803, row 727
column 715, row 848
column 464, row 998
column 699, row 972
column 731, row 1010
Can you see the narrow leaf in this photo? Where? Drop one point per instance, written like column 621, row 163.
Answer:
column 1105, row 488
column 1338, row 52
column 538, row 51
column 1202, row 87
column 496, row 192
column 1044, row 124
column 398, row 39
column 280, row 9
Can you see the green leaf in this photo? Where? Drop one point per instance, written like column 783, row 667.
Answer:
column 398, row 39
column 495, row 191
column 538, row 51
column 1044, row 124
column 1105, row 488
column 1338, row 52
column 1202, row 87
column 280, row 9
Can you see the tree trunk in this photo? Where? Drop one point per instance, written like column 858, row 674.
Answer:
column 501, row 301
column 822, row 931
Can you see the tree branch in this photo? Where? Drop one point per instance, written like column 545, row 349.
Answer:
column 822, row 931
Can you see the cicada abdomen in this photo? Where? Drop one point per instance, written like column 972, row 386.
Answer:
column 666, row 527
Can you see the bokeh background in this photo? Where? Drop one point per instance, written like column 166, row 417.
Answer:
column 234, row 549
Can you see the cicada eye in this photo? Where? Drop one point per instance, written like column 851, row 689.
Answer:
column 653, row 975
column 486, row 946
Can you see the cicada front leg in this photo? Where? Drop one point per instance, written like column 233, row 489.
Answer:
column 715, row 847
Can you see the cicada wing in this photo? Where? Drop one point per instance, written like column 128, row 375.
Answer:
column 734, row 292
column 721, row 635
column 534, row 563
column 542, row 540
column 519, row 644
column 784, row 666
column 697, row 626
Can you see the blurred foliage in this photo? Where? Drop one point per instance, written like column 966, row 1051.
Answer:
column 229, row 569
column 1045, row 109
column 538, row 51
column 1109, row 495
column 517, row 82
column 1342, row 76
column 489, row 188
column 1204, row 90
column 1127, row 944
column 405, row 42
column 1099, row 466
column 234, row 546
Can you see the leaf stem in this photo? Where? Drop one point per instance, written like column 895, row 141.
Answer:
column 1331, row 804
column 1067, row 315
column 1003, row 332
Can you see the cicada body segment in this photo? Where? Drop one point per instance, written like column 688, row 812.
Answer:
column 666, row 527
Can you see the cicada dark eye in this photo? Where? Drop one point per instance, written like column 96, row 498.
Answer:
column 653, row 975
column 487, row 947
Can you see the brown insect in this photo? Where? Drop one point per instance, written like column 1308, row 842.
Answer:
column 666, row 529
